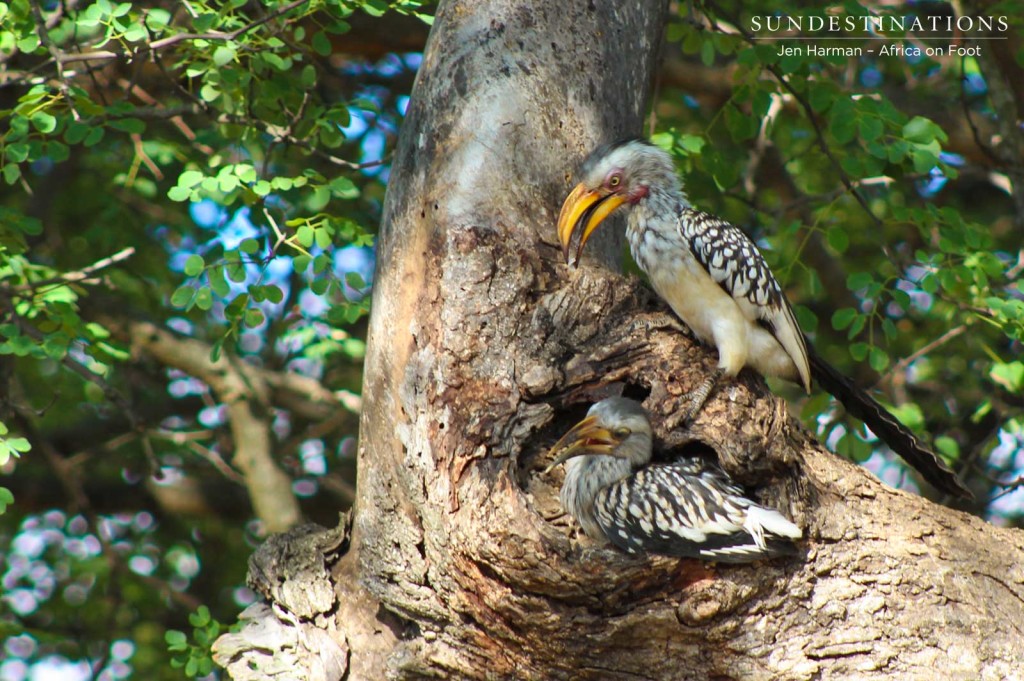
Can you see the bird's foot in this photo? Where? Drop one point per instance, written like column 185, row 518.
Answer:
column 699, row 397
column 660, row 320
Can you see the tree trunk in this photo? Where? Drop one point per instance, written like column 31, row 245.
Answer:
column 483, row 348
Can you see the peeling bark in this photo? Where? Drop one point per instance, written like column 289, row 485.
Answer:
column 483, row 348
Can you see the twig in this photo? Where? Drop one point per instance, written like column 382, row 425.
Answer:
column 975, row 133
column 1018, row 267
column 78, row 368
column 157, row 45
column 141, row 158
column 809, row 112
column 1009, row 487
column 174, row 115
column 761, row 145
column 44, row 38
column 901, row 366
column 82, row 274
column 79, row 502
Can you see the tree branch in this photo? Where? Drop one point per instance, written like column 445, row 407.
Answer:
column 247, row 397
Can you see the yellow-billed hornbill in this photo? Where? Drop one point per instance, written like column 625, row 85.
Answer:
column 687, row 508
column 718, row 283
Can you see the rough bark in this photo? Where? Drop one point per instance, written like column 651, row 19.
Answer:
column 483, row 348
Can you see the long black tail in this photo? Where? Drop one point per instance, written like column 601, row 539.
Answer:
column 883, row 424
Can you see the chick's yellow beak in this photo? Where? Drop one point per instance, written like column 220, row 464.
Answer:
column 586, row 437
column 583, row 210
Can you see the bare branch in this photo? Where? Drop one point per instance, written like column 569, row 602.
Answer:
column 246, row 399
column 899, row 367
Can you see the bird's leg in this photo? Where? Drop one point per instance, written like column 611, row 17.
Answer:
column 699, row 396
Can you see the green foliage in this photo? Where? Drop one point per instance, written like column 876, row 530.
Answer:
column 860, row 208
column 195, row 658
column 11, row 446
column 206, row 166
column 214, row 168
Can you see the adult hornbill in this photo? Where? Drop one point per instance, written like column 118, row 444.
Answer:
column 687, row 508
column 718, row 283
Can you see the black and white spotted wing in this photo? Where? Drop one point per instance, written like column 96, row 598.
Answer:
column 738, row 267
column 690, row 509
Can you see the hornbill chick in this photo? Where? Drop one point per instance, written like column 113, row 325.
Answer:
column 717, row 282
column 688, row 508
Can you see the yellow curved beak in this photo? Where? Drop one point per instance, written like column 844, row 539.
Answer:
column 586, row 437
column 583, row 210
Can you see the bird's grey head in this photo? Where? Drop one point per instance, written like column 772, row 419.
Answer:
column 631, row 168
column 631, row 172
column 616, row 427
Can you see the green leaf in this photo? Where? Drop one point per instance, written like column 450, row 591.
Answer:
column 176, row 640
column 843, row 128
column 179, row 194
column 44, row 122
column 18, row 152
column 11, row 173
column 273, row 293
column 807, row 320
column 1009, row 376
column 924, row 159
column 871, row 128
column 909, row 415
column 6, row 499
column 707, row 53
column 323, row 238
column 190, row 178
column 218, row 282
column 322, row 44
column 344, row 188
column 94, row 136
column 201, row 617
column 355, row 280
column 194, row 265
column 223, row 55
column 375, row 8
column 236, row 271
column 838, row 239
column 843, row 318
column 129, row 125
column 158, row 19
column 182, row 296
column 859, row 280
column 921, row 130
column 821, row 95
column 878, row 358
column 319, row 199
column 305, row 236
column 321, row 263
column 948, row 447
column 254, row 317
column 136, row 33
column 204, row 298
column 209, row 92
column 692, row 144
column 857, row 326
